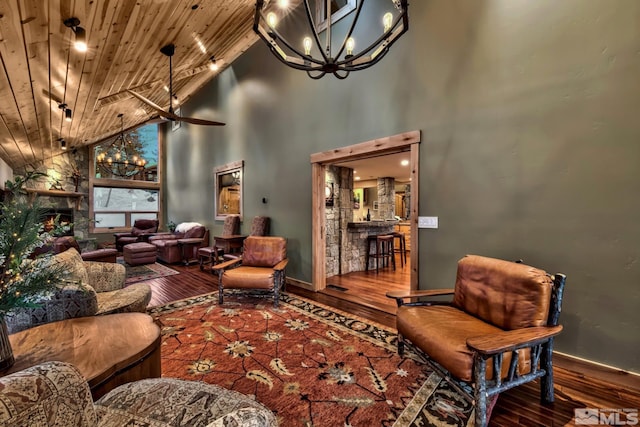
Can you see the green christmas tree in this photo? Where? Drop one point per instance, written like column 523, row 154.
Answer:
column 25, row 275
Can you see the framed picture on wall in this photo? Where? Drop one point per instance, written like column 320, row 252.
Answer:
column 175, row 125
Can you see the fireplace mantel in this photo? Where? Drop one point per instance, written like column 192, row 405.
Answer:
column 58, row 193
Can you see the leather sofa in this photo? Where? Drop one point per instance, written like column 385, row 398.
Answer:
column 63, row 243
column 56, row 394
column 182, row 247
column 90, row 288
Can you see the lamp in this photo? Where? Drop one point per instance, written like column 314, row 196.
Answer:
column 213, row 64
column 67, row 112
column 120, row 158
column 81, row 35
column 63, row 144
column 324, row 59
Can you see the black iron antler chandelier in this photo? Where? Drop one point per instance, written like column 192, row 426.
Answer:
column 317, row 59
column 120, row 158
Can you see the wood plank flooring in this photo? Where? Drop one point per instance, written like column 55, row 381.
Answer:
column 369, row 288
column 574, row 389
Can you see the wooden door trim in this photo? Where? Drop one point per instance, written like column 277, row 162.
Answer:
column 319, row 161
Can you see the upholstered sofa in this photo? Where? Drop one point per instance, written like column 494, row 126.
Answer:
column 89, row 288
column 182, row 245
column 56, row 394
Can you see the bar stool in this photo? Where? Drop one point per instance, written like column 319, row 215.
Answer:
column 383, row 250
column 402, row 247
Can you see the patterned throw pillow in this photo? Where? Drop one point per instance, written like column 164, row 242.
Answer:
column 74, row 269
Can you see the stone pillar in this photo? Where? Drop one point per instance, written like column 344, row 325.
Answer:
column 338, row 248
column 386, row 198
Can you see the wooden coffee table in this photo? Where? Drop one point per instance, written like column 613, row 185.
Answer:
column 108, row 350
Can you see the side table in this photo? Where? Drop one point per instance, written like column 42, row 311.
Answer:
column 108, row 350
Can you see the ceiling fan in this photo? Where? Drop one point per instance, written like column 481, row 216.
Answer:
column 170, row 114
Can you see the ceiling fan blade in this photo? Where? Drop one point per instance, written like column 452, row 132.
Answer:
column 171, row 116
column 195, row 121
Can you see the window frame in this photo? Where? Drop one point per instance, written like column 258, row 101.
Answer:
column 125, row 183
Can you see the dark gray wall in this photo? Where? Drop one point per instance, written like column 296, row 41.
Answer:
column 530, row 147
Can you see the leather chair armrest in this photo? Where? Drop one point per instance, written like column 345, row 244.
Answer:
column 118, row 235
column 158, row 236
column 281, row 265
column 400, row 296
column 190, row 241
column 491, row 344
column 164, row 236
column 225, row 264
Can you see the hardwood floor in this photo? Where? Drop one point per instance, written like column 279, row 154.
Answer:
column 369, row 288
column 574, row 388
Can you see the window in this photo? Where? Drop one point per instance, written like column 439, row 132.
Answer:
column 122, row 192
column 131, row 155
column 120, row 207
column 339, row 9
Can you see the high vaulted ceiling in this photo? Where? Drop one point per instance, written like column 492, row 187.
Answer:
column 41, row 69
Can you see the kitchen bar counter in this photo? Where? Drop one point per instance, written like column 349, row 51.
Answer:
column 356, row 245
column 374, row 224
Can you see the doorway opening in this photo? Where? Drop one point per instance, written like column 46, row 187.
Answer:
column 370, row 283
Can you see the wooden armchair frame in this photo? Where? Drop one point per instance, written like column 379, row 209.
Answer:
column 539, row 341
column 276, row 267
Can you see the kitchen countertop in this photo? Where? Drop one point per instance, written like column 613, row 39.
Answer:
column 370, row 224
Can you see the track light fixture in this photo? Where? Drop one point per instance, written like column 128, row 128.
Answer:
column 213, row 64
column 67, row 112
column 81, row 35
column 63, row 144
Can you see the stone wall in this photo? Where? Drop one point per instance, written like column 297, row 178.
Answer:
column 63, row 172
column 337, row 216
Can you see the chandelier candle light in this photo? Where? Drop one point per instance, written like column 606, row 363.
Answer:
column 120, row 157
column 323, row 59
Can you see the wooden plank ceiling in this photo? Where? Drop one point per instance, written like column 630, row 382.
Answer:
column 41, row 69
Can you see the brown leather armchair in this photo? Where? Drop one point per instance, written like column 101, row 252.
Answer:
column 180, row 247
column 262, row 267
column 502, row 319
column 141, row 228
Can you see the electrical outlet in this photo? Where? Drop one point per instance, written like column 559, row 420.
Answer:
column 427, row 222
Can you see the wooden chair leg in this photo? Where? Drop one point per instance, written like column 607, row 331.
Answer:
column 220, row 287
column 480, row 391
column 546, row 382
column 400, row 345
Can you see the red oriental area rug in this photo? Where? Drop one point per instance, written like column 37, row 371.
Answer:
column 310, row 364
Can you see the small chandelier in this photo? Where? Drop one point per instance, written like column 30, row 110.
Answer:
column 322, row 59
column 120, row 158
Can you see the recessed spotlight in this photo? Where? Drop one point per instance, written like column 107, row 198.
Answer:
column 357, row 178
column 405, row 163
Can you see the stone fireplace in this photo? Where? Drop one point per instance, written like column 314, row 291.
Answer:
column 65, row 218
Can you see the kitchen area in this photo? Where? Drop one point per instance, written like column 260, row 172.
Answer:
column 357, row 207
